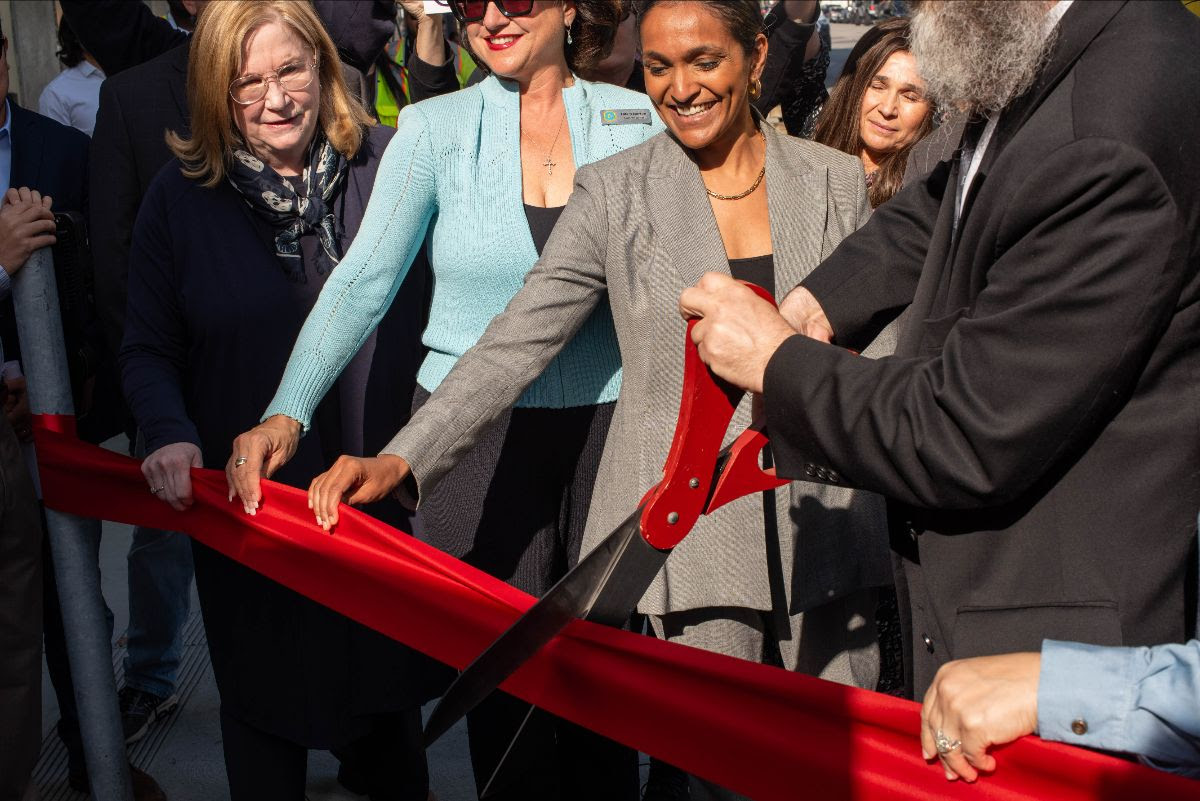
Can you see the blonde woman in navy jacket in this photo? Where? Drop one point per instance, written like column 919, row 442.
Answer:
column 478, row 178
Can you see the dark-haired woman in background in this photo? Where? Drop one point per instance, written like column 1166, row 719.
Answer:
column 73, row 97
column 878, row 109
column 785, row 577
column 478, row 178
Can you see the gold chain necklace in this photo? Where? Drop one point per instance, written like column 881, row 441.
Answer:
column 550, row 164
column 753, row 186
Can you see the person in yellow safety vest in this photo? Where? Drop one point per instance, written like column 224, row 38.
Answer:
column 398, row 81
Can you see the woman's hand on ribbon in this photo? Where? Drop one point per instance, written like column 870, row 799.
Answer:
column 257, row 454
column 974, row 704
column 354, row 480
column 169, row 471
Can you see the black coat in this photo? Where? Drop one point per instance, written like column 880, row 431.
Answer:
column 137, row 108
column 210, row 324
column 1038, row 430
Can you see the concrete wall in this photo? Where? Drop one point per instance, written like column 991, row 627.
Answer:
column 32, row 42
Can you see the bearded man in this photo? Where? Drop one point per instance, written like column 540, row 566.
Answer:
column 1037, row 432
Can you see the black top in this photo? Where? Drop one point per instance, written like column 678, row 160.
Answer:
column 211, row 321
column 541, row 223
column 758, row 270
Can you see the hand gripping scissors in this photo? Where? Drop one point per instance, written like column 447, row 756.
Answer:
column 606, row 585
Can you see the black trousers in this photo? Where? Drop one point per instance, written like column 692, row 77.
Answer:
column 20, row 620
column 515, row 507
column 389, row 761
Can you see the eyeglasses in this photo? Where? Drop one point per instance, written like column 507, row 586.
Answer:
column 291, row 78
column 473, row 10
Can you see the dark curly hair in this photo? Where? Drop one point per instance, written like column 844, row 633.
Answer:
column 742, row 18
column 592, row 34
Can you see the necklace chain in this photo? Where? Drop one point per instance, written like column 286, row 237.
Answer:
column 753, row 186
column 550, row 164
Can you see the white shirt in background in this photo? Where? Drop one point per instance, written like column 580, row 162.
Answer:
column 73, row 97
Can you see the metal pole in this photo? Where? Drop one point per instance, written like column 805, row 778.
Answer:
column 74, row 541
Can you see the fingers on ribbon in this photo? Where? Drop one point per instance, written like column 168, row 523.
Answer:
column 318, row 495
column 244, row 468
column 954, row 760
column 178, row 490
column 155, row 478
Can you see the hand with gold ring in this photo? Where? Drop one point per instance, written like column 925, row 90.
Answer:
column 974, row 704
column 169, row 472
column 257, row 454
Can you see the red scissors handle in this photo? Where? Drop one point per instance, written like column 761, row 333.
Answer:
column 687, row 490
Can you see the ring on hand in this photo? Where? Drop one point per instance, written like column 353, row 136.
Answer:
column 944, row 744
column 156, row 490
column 238, row 462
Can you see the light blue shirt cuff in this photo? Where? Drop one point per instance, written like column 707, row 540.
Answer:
column 1143, row 701
column 1084, row 687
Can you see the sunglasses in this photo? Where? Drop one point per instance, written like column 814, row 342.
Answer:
column 473, row 10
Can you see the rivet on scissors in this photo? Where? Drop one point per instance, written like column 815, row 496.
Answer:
column 673, row 518
column 694, row 483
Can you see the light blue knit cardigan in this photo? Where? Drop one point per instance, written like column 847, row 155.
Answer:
column 451, row 179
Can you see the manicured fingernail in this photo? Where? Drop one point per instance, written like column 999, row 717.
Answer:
column 231, row 494
column 254, row 510
column 319, row 523
column 926, row 755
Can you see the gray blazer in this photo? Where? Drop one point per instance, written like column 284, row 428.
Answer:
column 639, row 228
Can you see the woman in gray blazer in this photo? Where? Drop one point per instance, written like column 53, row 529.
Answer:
column 719, row 192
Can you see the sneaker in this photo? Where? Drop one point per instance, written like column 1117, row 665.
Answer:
column 140, row 709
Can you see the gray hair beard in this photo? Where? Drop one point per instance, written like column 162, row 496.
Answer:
column 978, row 55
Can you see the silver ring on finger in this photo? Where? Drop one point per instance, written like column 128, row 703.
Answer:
column 156, row 490
column 944, row 744
column 238, row 462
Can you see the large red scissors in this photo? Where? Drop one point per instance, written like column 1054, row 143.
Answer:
column 606, row 585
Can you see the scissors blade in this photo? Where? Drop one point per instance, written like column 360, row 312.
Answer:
column 604, row 587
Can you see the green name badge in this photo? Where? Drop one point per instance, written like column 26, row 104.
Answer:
column 625, row 116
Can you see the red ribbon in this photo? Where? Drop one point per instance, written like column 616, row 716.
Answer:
column 764, row 732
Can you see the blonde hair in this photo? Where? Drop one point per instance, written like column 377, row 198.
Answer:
column 215, row 61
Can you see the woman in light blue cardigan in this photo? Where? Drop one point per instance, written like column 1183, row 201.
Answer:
column 478, row 178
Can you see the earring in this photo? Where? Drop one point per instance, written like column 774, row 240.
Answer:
column 569, row 39
column 755, row 88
